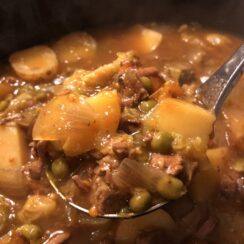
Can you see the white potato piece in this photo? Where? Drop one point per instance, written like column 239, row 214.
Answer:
column 145, row 40
column 74, row 47
column 177, row 116
column 218, row 158
column 35, row 63
column 129, row 229
column 13, row 154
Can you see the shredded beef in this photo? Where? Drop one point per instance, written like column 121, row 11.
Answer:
column 232, row 185
column 130, row 88
column 83, row 185
column 104, row 195
column 105, row 198
column 38, row 157
column 172, row 165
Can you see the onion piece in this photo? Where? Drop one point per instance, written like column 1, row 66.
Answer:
column 132, row 174
column 68, row 119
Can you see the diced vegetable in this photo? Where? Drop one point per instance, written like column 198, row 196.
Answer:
column 219, row 157
column 176, row 116
column 129, row 229
column 77, row 121
column 140, row 200
column 13, row 154
column 37, row 207
column 238, row 165
column 106, row 105
column 170, row 188
column 60, row 168
column 146, row 40
column 147, row 83
column 216, row 39
column 162, row 142
column 146, row 106
column 29, row 231
column 75, row 47
column 36, row 63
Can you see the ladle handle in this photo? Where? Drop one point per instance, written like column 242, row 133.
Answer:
column 216, row 89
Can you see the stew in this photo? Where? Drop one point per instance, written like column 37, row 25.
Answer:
column 110, row 118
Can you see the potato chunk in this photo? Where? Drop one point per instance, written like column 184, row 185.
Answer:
column 176, row 116
column 74, row 47
column 37, row 207
column 218, row 158
column 13, row 154
column 144, row 40
column 106, row 105
column 35, row 63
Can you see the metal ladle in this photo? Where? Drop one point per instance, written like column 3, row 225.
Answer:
column 211, row 95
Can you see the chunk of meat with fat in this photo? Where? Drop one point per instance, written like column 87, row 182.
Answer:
column 130, row 87
column 232, row 185
column 172, row 165
column 104, row 195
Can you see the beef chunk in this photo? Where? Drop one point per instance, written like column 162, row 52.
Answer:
column 105, row 198
column 104, row 195
column 35, row 168
column 38, row 158
column 232, row 185
column 172, row 165
column 83, row 185
column 130, row 87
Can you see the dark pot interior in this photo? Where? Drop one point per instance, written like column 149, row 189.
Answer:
column 26, row 22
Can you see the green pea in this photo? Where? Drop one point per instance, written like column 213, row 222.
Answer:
column 162, row 142
column 30, row 231
column 170, row 188
column 140, row 201
column 147, row 83
column 146, row 106
column 60, row 168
